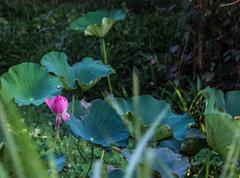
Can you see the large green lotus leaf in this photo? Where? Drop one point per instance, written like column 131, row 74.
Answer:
column 85, row 73
column 100, row 30
column 215, row 95
column 222, row 133
column 194, row 141
column 144, row 110
column 180, row 124
column 97, row 23
column 168, row 163
column 218, row 102
column 138, row 113
column 56, row 62
column 211, row 107
column 100, row 125
column 28, row 83
column 88, row 72
column 232, row 99
column 145, row 107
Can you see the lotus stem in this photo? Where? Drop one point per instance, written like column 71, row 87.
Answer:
column 82, row 156
column 207, row 170
column 90, row 165
column 56, row 137
column 69, row 152
column 102, row 156
column 105, row 61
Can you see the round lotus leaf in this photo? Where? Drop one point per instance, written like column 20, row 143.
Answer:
column 179, row 124
column 100, row 125
column 215, row 95
column 223, row 134
column 218, row 102
column 84, row 74
column 232, row 99
column 145, row 107
column 97, row 23
column 89, row 71
column 168, row 163
column 144, row 110
column 28, row 83
column 56, row 62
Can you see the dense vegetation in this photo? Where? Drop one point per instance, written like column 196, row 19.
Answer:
column 123, row 79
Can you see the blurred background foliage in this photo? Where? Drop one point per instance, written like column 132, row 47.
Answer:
column 177, row 41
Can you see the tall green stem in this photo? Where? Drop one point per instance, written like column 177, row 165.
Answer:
column 102, row 156
column 70, row 135
column 56, row 137
column 207, row 170
column 80, row 153
column 92, row 157
column 105, row 60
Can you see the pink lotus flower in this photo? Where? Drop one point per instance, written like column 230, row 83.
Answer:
column 58, row 105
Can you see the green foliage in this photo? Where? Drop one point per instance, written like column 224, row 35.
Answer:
column 139, row 113
column 85, row 73
column 97, row 23
column 222, row 134
column 221, row 127
column 207, row 162
column 168, row 163
column 117, row 173
column 38, row 28
column 99, row 125
column 28, row 83
column 19, row 157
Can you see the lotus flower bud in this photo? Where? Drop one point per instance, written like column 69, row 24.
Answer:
column 59, row 106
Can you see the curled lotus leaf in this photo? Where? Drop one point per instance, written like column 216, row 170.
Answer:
column 97, row 23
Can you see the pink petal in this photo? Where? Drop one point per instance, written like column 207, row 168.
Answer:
column 65, row 116
column 60, row 104
column 48, row 101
